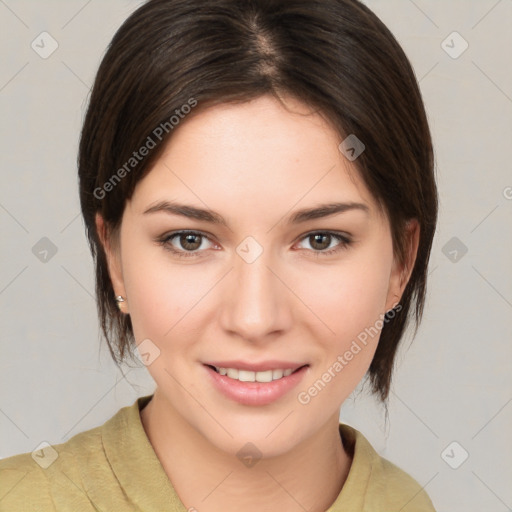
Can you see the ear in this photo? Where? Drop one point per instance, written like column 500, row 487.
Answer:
column 400, row 274
column 112, row 252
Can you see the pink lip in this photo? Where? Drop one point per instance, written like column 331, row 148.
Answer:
column 273, row 364
column 254, row 393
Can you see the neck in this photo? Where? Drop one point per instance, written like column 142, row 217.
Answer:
column 309, row 477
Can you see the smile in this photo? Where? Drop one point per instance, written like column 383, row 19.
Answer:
column 256, row 387
column 252, row 376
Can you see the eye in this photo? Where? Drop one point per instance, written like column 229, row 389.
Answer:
column 321, row 240
column 190, row 242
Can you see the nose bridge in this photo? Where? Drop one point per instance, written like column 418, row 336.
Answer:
column 256, row 302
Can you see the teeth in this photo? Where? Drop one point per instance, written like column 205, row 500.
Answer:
column 250, row 376
column 277, row 374
column 266, row 376
column 232, row 373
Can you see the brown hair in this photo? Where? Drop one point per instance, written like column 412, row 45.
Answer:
column 335, row 55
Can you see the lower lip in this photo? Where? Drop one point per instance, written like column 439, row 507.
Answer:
column 255, row 393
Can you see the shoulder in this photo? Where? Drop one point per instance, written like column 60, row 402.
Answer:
column 37, row 480
column 19, row 478
column 387, row 486
column 400, row 488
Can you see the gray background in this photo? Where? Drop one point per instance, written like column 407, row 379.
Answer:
column 452, row 383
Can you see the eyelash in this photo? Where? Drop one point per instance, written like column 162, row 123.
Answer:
column 164, row 241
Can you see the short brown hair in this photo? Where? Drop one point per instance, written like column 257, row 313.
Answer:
column 335, row 55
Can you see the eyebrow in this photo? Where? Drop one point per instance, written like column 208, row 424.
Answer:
column 300, row 216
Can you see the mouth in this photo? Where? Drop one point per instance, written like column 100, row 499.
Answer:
column 244, row 375
column 255, row 384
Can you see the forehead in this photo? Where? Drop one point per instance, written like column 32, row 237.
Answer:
column 254, row 155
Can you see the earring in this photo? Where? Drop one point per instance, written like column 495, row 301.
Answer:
column 119, row 300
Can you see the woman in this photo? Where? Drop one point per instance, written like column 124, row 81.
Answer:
column 257, row 182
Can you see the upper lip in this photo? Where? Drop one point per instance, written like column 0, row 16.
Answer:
column 256, row 367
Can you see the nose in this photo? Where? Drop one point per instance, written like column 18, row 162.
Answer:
column 256, row 302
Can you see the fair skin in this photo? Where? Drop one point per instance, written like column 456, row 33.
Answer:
column 255, row 164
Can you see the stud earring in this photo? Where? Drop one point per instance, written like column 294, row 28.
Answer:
column 120, row 299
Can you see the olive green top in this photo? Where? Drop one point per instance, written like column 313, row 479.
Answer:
column 113, row 468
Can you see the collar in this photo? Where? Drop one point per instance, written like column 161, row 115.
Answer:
column 134, row 461
column 143, row 479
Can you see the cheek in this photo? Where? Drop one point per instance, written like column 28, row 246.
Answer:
column 350, row 297
column 350, row 305
column 160, row 294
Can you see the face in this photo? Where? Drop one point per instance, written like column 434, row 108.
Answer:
column 260, row 287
